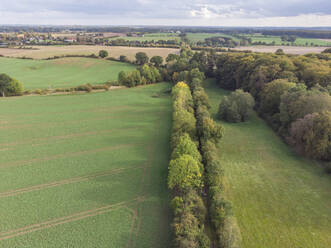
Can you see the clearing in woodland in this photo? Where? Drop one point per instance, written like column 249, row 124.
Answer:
column 280, row 199
column 85, row 170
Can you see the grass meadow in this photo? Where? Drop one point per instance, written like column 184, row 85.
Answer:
column 280, row 199
column 85, row 170
column 63, row 72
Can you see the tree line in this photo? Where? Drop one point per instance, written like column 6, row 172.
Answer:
column 292, row 94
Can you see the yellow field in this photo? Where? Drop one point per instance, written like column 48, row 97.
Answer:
column 42, row 52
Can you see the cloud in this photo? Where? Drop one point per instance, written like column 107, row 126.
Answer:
column 171, row 12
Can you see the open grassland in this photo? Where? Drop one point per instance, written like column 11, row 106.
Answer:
column 42, row 52
column 287, row 49
column 195, row 37
column 85, row 170
column 299, row 41
column 150, row 37
column 279, row 198
column 63, row 72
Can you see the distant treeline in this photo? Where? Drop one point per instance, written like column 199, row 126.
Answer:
column 321, row 34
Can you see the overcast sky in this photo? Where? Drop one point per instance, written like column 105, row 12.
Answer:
column 168, row 12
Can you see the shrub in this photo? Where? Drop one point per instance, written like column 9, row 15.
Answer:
column 103, row 54
column 229, row 235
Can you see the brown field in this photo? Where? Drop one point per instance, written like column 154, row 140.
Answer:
column 43, row 52
column 286, row 49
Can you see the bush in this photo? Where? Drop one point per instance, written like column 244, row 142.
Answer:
column 236, row 107
column 229, row 235
column 103, row 54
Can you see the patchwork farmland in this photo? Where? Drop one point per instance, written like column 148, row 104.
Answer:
column 90, row 170
column 62, row 72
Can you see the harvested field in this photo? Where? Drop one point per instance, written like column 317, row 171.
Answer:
column 88, row 168
column 44, row 52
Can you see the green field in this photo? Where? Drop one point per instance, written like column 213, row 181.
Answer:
column 63, row 72
column 278, row 41
column 86, row 170
column 195, row 37
column 151, row 36
column 280, row 199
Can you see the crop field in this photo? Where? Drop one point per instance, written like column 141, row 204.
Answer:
column 279, row 198
column 85, row 170
column 195, row 37
column 299, row 50
column 151, row 36
column 43, row 52
column 299, row 41
column 63, row 72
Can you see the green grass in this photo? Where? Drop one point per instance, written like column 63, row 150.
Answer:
column 63, row 72
column 152, row 36
column 299, row 41
column 280, row 199
column 64, row 157
column 195, row 37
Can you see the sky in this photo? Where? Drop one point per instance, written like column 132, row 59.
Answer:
column 307, row 13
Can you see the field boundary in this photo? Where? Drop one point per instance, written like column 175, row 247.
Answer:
column 66, row 181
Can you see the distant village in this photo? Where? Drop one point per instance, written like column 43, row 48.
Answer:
column 8, row 39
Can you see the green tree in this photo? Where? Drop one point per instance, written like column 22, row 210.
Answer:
column 103, row 54
column 157, row 61
column 270, row 95
column 184, row 173
column 10, row 86
column 141, row 58
column 122, row 78
column 311, row 135
column 186, row 146
column 236, row 107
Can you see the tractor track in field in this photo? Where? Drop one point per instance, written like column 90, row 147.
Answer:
column 63, row 220
column 50, row 124
column 62, row 137
column 65, row 155
column 145, row 181
column 66, row 181
column 99, row 109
